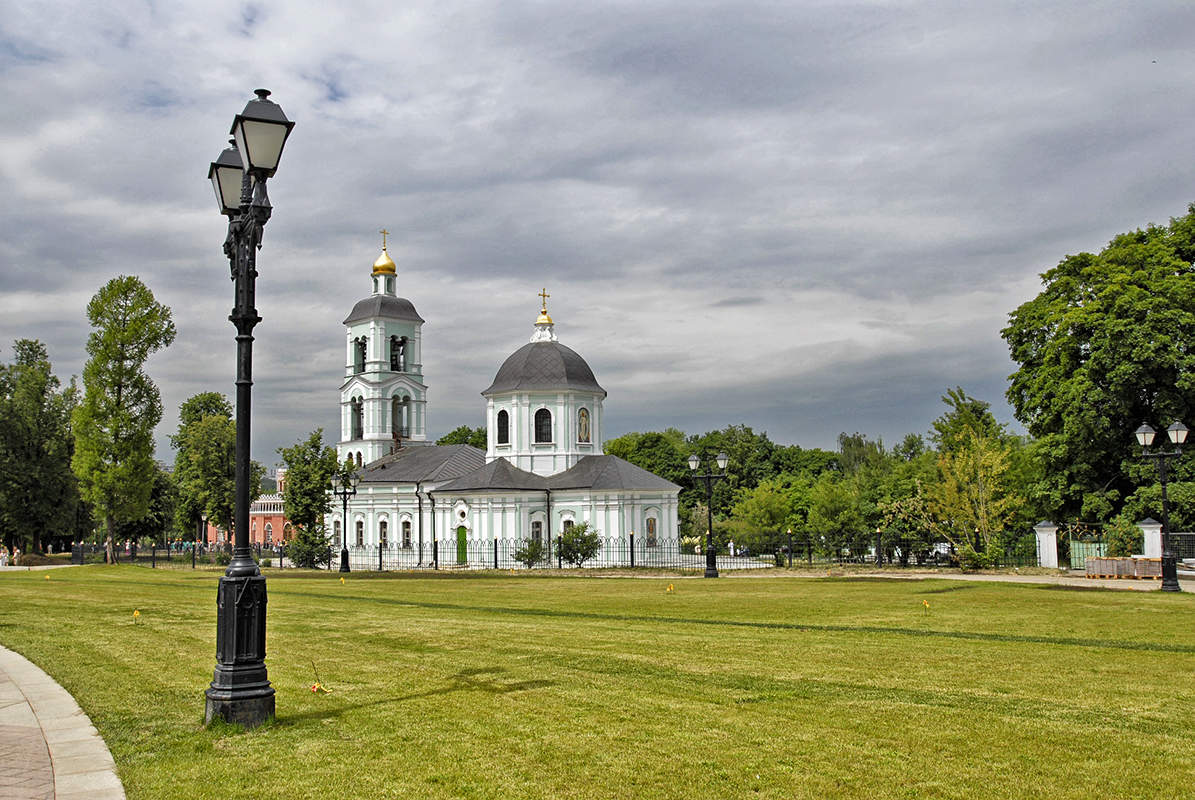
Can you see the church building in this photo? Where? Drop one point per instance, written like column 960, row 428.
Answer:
column 543, row 470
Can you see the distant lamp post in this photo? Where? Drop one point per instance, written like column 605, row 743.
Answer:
column 344, row 488
column 1177, row 433
column 240, row 691
column 709, row 479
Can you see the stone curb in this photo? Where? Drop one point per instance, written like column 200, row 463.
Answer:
column 82, row 765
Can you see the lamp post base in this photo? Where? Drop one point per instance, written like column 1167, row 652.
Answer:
column 240, row 691
column 1170, row 573
column 344, row 560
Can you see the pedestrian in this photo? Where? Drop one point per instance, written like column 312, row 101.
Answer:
column 16, row 556
column 3, row 556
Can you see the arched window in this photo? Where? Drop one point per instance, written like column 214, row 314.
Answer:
column 335, row 534
column 286, row 532
column 567, row 525
column 652, row 541
column 583, row 426
column 543, row 426
column 400, row 416
column 398, row 353
column 382, row 534
column 359, row 354
column 406, row 534
column 360, row 533
column 537, row 531
column 357, row 413
column 359, row 458
column 503, row 427
column 269, row 532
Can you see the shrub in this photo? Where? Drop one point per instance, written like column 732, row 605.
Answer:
column 222, row 559
column 579, row 544
column 531, row 552
column 265, row 562
column 970, row 559
column 309, row 547
column 1123, row 537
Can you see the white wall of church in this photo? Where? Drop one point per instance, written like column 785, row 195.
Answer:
column 566, row 447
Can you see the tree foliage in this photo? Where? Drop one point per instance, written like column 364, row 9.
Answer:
column 1107, row 344
column 579, row 544
column 475, row 437
column 39, row 495
column 310, row 465
column 114, row 422
column 205, row 468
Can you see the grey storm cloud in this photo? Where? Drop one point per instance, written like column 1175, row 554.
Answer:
column 809, row 217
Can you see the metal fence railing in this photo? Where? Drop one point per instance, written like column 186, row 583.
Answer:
column 185, row 555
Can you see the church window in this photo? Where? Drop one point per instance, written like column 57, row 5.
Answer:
column 389, row 285
column 335, row 534
column 652, row 541
column 406, row 534
column 375, row 284
column 400, row 416
column 269, row 532
column 358, row 458
column 543, row 426
column 583, row 426
column 357, row 412
column 360, row 533
column 537, row 531
column 359, row 354
column 286, row 532
column 567, row 525
column 382, row 534
column 398, row 354
column 503, row 427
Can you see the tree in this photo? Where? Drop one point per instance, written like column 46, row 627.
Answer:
column 1108, row 343
column 972, row 503
column 661, row 453
column 38, row 492
column 189, row 508
column 159, row 518
column 206, row 468
column 579, row 543
column 531, row 552
column 475, row 437
column 310, row 465
column 114, row 423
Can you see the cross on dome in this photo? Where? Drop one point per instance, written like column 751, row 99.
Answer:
column 545, row 330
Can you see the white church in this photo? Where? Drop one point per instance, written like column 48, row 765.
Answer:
column 543, row 470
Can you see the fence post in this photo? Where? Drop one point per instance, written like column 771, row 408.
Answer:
column 379, row 556
column 632, row 548
column 435, row 553
column 1047, row 544
column 153, row 556
column 495, row 552
column 790, row 549
column 559, row 555
column 879, row 548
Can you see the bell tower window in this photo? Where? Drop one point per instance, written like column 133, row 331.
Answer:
column 398, row 354
column 356, row 410
column 359, row 354
column 543, row 426
column 400, row 416
column 503, row 427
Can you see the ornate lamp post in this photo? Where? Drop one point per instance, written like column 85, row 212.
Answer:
column 344, row 486
column 240, row 691
column 1178, row 436
column 710, row 478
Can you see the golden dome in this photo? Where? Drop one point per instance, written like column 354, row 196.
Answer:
column 384, row 265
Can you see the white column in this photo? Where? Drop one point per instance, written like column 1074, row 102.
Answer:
column 1047, row 544
column 1152, row 531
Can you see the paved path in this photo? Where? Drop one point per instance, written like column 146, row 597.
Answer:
column 48, row 747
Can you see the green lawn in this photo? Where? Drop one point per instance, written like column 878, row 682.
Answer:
column 512, row 687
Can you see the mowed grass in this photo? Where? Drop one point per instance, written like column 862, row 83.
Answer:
column 514, row 686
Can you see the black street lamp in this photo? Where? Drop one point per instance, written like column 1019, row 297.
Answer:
column 1178, row 436
column 240, row 691
column 710, row 478
column 344, row 487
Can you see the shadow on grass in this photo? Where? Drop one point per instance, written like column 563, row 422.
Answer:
column 961, row 588
column 977, row 636
column 480, row 679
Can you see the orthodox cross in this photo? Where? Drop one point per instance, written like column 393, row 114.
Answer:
column 543, row 293
column 384, row 233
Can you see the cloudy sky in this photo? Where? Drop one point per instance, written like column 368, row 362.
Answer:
column 805, row 217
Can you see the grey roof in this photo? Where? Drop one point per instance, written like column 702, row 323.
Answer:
column 544, row 365
column 499, row 474
column 424, row 463
column 609, row 473
column 383, row 305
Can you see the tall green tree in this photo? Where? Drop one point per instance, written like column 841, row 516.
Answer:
column 463, row 434
column 1108, row 343
column 310, row 465
column 206, row 469
column 38, row 492
column 189, row 508
column 114, row 423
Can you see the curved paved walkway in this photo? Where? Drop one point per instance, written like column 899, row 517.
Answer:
column 48, row 747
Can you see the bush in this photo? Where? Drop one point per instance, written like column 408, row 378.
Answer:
column 530, row 553
column 1123, row 538
column 222, row 559
column 265, row 562
column 309, row 547
column 579, row 543
column 971, row 559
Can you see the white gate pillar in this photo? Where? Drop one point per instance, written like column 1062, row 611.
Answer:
column 1151, row 529
column 1047, row 544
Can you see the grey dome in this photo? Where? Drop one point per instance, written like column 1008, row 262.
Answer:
column 544, row 365
column 383, row 305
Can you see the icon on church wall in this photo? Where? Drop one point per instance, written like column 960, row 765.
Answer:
column 583, row 425
column 652, row 541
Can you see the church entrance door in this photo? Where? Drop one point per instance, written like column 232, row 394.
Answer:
column 462, row 545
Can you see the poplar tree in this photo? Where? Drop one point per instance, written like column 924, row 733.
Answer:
column 114, row 423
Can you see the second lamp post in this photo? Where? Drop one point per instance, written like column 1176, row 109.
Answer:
column 344, row 486
column 709, row 479
column 1178, row 436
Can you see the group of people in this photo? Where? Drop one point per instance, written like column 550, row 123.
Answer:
column 10, row 559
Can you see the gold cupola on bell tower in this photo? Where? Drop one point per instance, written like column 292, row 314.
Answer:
column 385, row 264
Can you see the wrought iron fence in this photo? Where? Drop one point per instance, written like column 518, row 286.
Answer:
column 179, row 555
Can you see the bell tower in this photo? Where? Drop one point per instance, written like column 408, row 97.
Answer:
column 382, row 398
